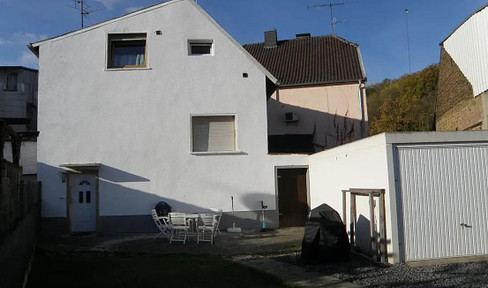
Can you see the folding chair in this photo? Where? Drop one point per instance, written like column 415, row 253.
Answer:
column 218, row 216
column 206, row 230
column 162, row 224
column 178, row 226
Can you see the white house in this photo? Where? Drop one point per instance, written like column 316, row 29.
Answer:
column 158, row 105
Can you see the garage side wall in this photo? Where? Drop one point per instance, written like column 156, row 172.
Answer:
column 362, row 164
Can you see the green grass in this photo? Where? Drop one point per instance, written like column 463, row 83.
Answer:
column 177, row 270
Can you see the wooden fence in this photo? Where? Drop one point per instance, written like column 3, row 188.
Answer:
column 17, row 199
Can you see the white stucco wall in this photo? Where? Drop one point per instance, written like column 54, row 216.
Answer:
column 136, row 123
column 28, row 156
column 361, row 164
column 323, row 108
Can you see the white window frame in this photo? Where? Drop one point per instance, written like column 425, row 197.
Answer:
column 196, row 42
column 108, row 51
column 236, row 135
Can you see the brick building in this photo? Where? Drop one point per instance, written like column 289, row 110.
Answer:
column 462, row 100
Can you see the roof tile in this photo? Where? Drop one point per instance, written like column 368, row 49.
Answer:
column 312, row 60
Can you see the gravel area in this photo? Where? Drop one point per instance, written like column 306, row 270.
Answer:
column 358, row 271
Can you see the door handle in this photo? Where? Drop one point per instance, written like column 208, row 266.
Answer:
column 464, row 225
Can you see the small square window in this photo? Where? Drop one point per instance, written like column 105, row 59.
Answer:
column 127, row 50
column 213, row 133
column 200, row 47
column 11, row 83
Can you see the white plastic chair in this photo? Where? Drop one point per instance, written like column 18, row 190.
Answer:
column 178, row 226
column 162, row 224
column 218, row 216
column 206, row 228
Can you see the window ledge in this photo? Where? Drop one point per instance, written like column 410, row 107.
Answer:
column 218, row 153
column 127, row 69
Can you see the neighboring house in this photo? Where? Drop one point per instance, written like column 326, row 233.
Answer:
column 320, row 100
column 158, row 105
column 18, row 108
column 462, row 99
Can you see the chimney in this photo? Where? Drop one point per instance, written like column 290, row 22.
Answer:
column 270, row 39
column 303, row 35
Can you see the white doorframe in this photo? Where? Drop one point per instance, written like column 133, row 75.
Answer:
column 89, row 194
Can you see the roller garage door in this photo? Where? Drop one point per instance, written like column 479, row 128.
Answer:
column 443, row 192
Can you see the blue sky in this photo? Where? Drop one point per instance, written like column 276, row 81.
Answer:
column 378, row 26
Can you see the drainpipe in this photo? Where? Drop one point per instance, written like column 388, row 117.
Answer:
column 362, row 98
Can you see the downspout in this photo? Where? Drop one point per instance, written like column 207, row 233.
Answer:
column 362, row 97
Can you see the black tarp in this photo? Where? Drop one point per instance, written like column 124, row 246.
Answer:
column 325, row 237
column 162, row 208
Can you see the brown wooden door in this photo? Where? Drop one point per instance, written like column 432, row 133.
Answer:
column 292, row 197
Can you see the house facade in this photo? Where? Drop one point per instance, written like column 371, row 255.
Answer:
column 462, row 99
column 158, row 105
column 320, row 100
column 18, row 108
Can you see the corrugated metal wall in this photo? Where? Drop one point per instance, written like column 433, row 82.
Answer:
column 468, row 46
column 444, row 193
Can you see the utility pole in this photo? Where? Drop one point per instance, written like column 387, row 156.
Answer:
column 333, row 21
column 408, row 42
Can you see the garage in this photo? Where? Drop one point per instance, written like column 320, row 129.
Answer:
column 444, row 197
column 435, row 186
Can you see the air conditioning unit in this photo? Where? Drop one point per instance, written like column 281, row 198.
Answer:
column 291, row 117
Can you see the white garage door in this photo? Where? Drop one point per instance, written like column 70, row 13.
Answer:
column 444, row 200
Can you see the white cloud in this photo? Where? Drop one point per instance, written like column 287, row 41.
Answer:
column 28, row 59
column 5, row 42
column 132, row 9
column 109, row 4
column 19, row 38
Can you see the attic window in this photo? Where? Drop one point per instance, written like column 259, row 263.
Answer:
column 127, row 50
column 200, row 47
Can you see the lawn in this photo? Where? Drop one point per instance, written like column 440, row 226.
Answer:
column 177, row 270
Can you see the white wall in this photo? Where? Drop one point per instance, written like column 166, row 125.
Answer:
column 468, row 46
column 137, row 123
column 361, row 164
column 28, row 156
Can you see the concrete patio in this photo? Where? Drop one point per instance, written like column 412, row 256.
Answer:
column 251, row 248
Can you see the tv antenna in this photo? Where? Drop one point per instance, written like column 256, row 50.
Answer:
column 85, row 9
column 333, row 21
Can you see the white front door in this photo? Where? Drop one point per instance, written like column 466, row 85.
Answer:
column 83, row 203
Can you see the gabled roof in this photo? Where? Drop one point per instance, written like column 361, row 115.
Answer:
column 311, row 60
column 34, row 47
column 467, row 18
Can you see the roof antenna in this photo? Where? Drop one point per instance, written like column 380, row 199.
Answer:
column 85, row 9
column 333, row 21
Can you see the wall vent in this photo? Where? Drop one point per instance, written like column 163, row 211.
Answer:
column 291, row 117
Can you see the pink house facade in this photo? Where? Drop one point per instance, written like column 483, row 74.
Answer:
column 320, row 99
